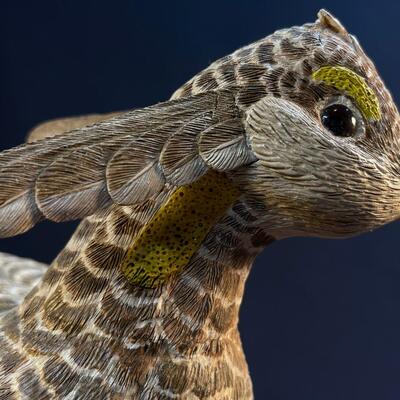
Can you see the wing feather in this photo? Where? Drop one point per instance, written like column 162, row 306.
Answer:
column 74, row 186
column 180, row 159
column 134, row 174
column 61, row 125
column 126, row 159
column 224, row 147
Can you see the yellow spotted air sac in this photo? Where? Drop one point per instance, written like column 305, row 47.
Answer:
column 166, row 244
column 353, row 85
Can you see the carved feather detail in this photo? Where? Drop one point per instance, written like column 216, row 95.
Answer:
column 126, row 160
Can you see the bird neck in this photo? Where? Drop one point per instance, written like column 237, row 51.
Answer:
column 85, row 314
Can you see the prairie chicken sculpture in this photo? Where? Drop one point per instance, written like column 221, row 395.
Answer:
column 292, row 135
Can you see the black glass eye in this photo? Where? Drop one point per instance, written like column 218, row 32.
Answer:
column 340, row 120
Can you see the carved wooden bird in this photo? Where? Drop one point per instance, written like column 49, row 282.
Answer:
column 292, row 135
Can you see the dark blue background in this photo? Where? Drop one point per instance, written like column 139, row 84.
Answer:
column 320, row 319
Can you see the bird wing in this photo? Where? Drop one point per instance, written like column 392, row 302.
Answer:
column 17, row 276
column 126, row 160
column 59, row 126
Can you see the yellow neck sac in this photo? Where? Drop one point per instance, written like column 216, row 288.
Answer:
column 165, row 245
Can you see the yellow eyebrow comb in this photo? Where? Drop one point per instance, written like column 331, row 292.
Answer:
column 353, row 85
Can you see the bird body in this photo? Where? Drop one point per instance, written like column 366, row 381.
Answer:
column 292, row 135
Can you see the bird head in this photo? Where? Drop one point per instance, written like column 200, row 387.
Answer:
column 323, row 128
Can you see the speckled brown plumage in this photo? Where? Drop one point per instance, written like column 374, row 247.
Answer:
column 84, row 320
column 85, row 332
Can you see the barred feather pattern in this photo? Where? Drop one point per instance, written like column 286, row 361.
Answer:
column 85, row 332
